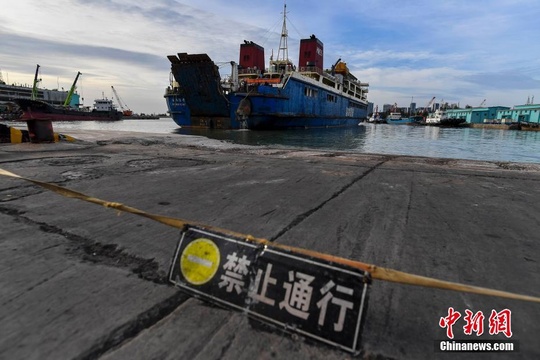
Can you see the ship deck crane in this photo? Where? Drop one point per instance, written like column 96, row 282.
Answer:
column 125, row 109
column 35, row 85
column 72, row 90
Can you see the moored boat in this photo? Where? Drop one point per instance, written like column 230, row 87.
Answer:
column 279, row 97
column 375, row 118
column 103, row 110
column 435, row 117
column 176, row 104
column 34, row 109
column 8, row 92
column 395, row 118
column 448, row 121
column 440, row 117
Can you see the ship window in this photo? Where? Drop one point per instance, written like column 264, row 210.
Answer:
column 309, row 92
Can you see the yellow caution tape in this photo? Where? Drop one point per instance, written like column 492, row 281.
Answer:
column 376, row 272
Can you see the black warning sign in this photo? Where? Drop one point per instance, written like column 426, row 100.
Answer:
column 318, row 299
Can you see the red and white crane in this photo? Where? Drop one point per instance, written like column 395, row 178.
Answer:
column 125, row 109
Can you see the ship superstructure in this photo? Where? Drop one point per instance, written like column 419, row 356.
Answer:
column 281, row 96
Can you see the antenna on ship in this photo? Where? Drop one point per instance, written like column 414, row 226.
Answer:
column 283, row 39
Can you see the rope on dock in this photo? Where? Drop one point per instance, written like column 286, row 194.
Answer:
column 375, row 271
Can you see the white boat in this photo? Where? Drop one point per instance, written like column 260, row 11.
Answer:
column 440, row 117
column 437, row 117
column 375, row 118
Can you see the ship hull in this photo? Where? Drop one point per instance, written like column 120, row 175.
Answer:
column 297, row 122
column 299, row 103
column 40, row 110
column 180, row 114
column 452, row 122
column 261, row 120
column 178, row 109
column 406, row 121
column 271, row 108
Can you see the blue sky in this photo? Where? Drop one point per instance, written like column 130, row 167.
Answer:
column 458, row 51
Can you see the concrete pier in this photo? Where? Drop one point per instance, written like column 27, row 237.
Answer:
column 79, row 281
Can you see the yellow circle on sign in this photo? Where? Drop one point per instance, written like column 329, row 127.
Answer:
column 199, row 261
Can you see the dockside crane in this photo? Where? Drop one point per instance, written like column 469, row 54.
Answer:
column 430, row 102
column 426, row 108
column 125, row 109
column 482, row 103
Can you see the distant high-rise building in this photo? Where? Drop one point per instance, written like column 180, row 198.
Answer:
column 387, row 107
column 412, row 108
column 370, row 108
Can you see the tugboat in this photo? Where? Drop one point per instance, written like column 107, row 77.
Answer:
column 440, row 117
column 280, row 97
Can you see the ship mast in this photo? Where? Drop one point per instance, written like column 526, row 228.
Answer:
column 283, row 48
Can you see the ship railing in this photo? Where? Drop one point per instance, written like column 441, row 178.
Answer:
column 311, row 69
column 249, row 70
column 172, row 91
column 281, row 67
column 264, row 81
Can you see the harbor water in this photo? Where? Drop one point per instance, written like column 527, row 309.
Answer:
column 430, row 141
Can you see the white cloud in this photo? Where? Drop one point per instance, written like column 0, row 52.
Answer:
column 462, row 50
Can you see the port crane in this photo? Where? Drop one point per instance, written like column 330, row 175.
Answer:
column 125, row 109
column 426, row 108
column 482, row 103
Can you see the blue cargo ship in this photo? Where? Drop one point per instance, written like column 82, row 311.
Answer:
column 282, row 96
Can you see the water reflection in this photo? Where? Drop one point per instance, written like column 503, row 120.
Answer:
column 460, row 143
column 430, row 141
column 328, row 139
